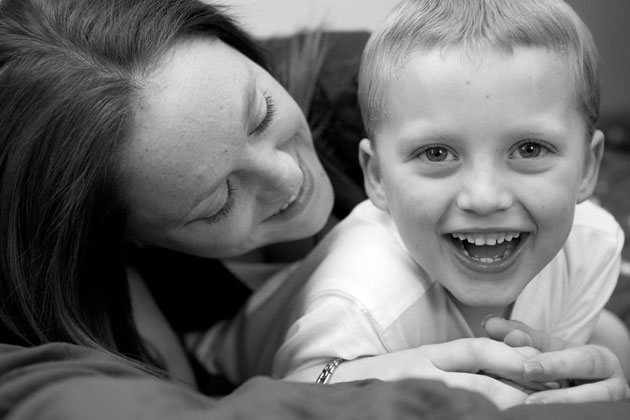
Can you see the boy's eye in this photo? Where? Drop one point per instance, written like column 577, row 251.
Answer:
column 531, row 149
column 436, row 154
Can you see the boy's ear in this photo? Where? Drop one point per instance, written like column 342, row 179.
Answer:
column 372, row 178
column 591, row 168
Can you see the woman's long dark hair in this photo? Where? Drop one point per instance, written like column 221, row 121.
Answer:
column 69, row 72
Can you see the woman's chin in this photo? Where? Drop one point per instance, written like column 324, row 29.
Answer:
column 308, row 229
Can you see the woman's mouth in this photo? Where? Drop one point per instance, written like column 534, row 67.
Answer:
column 289, row 202
column 298, row 200
column 488, row 248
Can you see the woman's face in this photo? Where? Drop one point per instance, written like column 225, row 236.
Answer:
column 221, row 160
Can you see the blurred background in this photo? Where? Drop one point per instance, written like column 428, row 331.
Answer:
column 609, row 21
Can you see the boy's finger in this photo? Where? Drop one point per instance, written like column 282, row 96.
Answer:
column 518, row 334
column 518, row 338
column 584, row 363
column 478, row 354
column 526, row 351
column 614, row 389
column 502, row 395
column 491, row 365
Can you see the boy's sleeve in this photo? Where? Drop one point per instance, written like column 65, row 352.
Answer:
column 355, row 302
column 331, row 325
column 593, row 253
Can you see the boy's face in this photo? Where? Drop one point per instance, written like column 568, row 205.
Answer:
column 481, row 160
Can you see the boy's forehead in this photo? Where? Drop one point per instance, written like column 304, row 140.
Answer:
column 455, row 71
column 456, row 57
column 462, row 54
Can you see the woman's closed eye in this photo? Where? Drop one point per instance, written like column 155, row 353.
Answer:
column 270, row 110
column 226, row 208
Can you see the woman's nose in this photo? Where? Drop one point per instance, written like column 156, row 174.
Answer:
column 483, row 191
column 276, row 175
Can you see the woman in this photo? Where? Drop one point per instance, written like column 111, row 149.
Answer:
column 134, row 125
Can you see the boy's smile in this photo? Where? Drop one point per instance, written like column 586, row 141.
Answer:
column 480, row 159
column 489, row 251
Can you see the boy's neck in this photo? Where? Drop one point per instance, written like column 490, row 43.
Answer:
column 475, row 315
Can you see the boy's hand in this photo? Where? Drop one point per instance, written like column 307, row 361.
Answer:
column 592, row 373
column 457, row 363
column 486, row 366
column 588, row 372
column 517, row 334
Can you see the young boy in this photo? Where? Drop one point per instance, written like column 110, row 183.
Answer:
column 482, row 145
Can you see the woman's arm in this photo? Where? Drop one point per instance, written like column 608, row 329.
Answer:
column 62, row 381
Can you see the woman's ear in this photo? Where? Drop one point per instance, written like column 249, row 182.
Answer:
column 591, row 168
column 372, row 178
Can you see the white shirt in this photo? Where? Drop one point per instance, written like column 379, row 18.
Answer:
column 360, row 294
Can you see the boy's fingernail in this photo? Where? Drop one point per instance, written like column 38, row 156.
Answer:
column 552, row 385
column 533, row 370
column 534, row 400
column 487, row 317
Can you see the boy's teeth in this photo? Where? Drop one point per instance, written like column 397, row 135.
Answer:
column 491, row 239
column 487, row 248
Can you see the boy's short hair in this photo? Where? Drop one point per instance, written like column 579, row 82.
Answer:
column 417, row 25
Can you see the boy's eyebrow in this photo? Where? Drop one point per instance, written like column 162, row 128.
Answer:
column 539, row 129
column 436, row 136
column 528, row 130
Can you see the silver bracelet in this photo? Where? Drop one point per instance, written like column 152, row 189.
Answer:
column 328, row 371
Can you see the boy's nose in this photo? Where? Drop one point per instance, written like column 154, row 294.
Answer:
column 483, row 191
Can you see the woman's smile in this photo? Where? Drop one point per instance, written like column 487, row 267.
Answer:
column 295, row 202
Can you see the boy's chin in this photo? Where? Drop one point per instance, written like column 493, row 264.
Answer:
column 482, row 299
